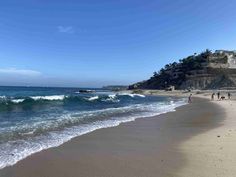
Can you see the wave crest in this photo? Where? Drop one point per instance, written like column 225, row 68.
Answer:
column 132, row 95
column 52, row 97
column 10, row 103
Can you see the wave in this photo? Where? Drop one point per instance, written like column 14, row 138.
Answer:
column 111, row 97
column 68, row 126
column 17, row 100
column 132, row 94
column 93, row 98
column 52, row 122
column 114, row 97
column 13, row 103
column 17, row 104
column 52, row 97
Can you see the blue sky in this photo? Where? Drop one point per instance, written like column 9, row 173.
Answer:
column 99, row 42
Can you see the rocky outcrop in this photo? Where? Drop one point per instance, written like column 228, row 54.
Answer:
column 217, row 81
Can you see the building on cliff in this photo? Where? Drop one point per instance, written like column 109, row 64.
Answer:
column 222, row 59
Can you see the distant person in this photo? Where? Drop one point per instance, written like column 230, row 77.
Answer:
column 229, row 96
column 212, row 96
column 218, row 95
column 190, row 98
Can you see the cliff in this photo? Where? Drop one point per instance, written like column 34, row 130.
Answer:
column 204, row 71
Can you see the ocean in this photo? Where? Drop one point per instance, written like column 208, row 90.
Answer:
column 37, row 118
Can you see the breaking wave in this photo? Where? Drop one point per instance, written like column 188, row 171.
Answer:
column 33, row 119
column 49, row 130
column 11, row 102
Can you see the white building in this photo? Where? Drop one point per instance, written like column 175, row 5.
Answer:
column 231, row 57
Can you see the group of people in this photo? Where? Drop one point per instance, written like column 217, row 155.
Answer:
column 219, row 96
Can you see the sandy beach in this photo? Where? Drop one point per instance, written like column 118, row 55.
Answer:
column 212, row 153
column 117, row 88
column 196, row 140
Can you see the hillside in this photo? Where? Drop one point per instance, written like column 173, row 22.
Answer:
column 203, row 71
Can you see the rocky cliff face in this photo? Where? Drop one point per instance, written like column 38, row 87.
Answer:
column 204, row 71
column 213, row 79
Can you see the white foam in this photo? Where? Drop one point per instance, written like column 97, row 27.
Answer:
column 17, row 100
column 113, row 96
column 2, row 97
column 13, row 151
column 51, row 97
column 93, row 98
column 132, row 94
column 28, row 133
column 140, row 95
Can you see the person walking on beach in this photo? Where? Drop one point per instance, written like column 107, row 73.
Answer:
column 218, row 95
column 229, row 95
column 212, row 96
column 190, row 98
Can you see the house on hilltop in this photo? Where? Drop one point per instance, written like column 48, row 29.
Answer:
column 222, row 59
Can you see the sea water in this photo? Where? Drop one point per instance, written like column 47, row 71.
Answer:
column 37, row 118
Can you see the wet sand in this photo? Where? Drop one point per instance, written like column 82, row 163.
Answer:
column 147, row 147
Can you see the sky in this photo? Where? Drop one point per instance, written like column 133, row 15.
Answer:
column 91, row 43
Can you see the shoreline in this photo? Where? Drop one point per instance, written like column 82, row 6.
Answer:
column 124, row 147
column 16, row 158
column 214, row 150
column 178, row 93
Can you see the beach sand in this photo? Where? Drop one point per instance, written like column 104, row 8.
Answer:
column 213, row 153
column 180, row 143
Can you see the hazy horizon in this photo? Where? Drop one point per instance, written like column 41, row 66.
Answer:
column 94, row 44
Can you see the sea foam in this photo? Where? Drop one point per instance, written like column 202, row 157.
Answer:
column 51, row 97
column 13, row 151
column 131, row 94
column 93, row 98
